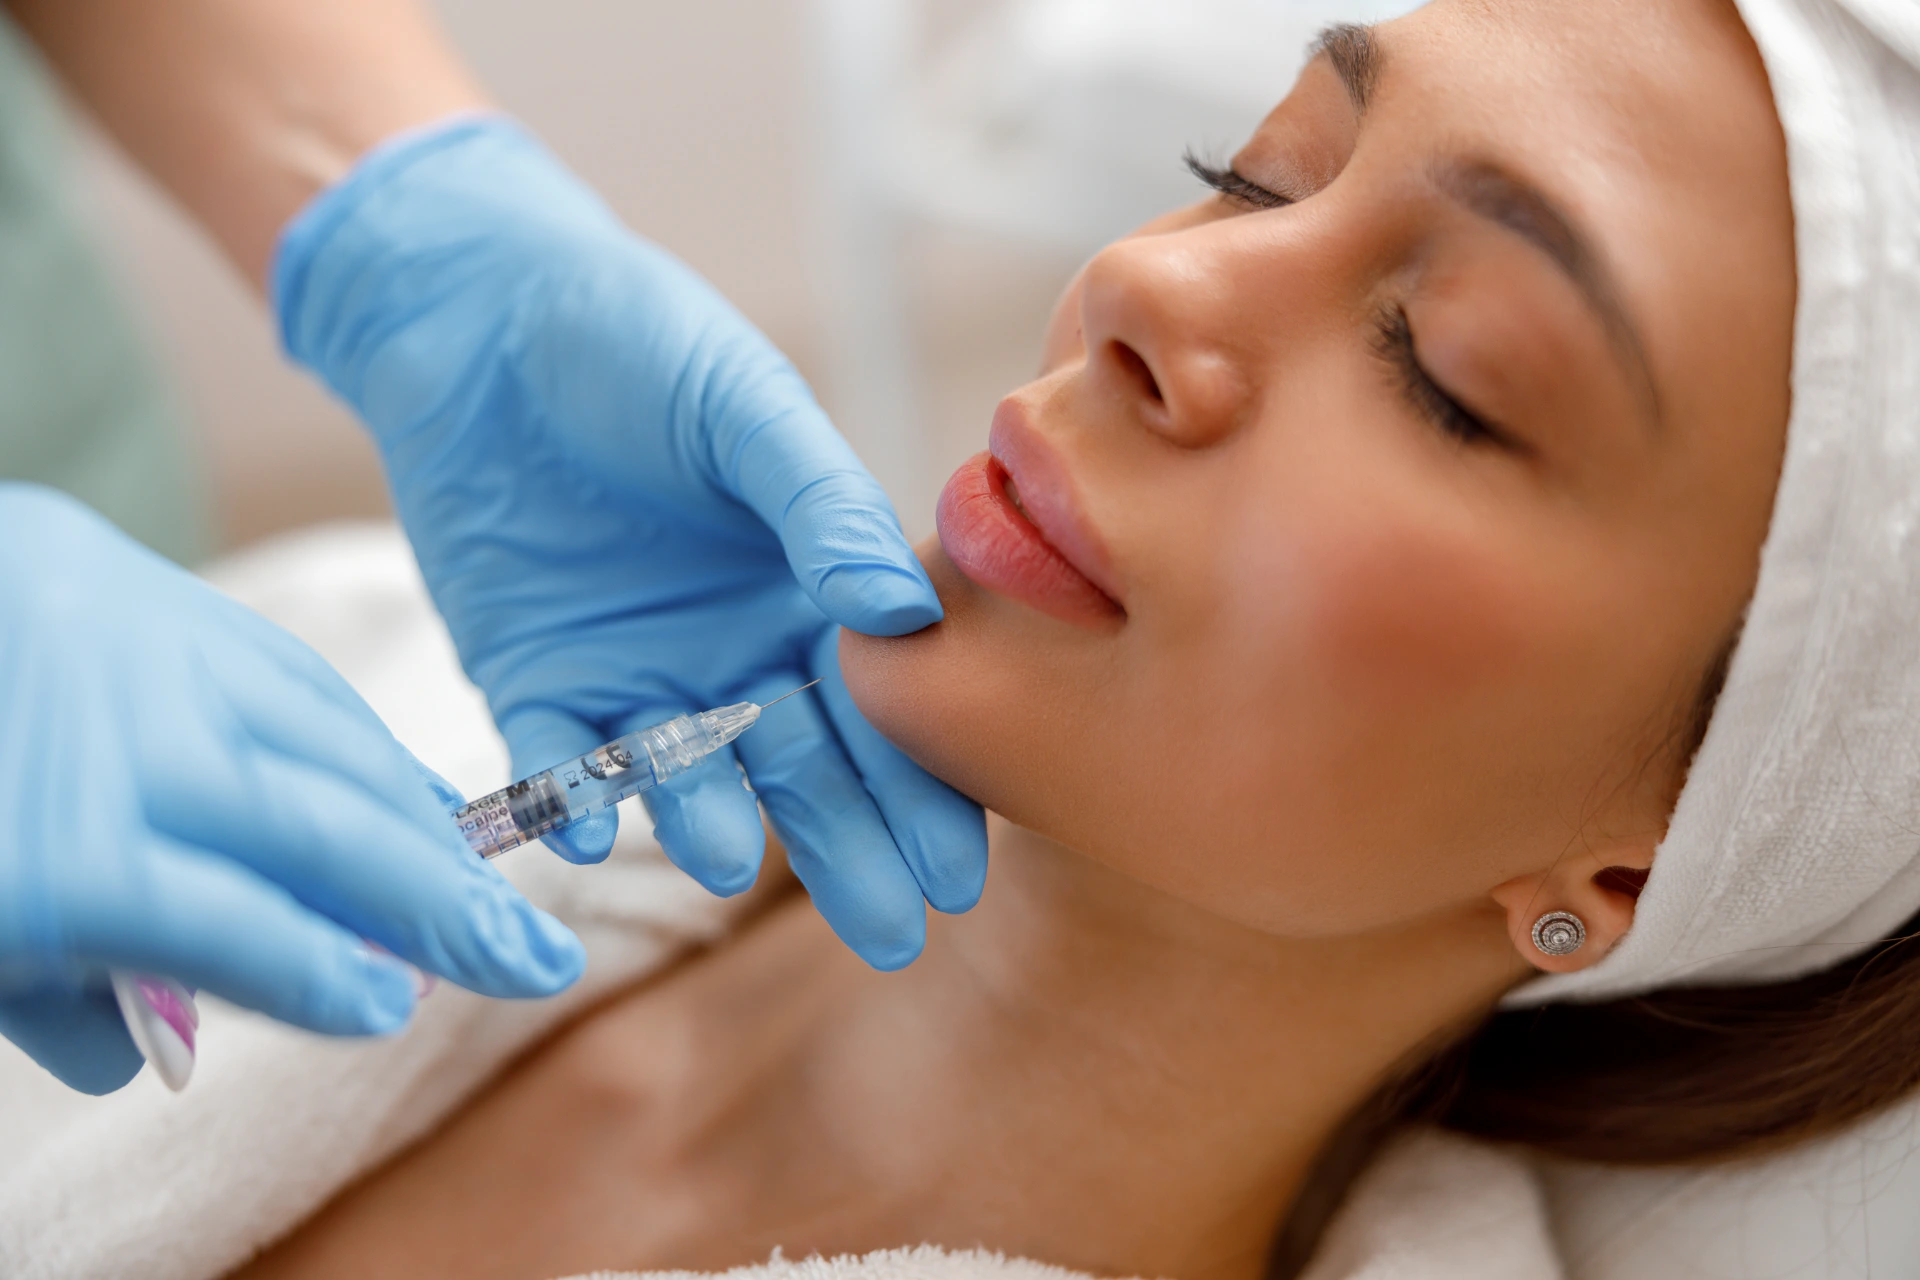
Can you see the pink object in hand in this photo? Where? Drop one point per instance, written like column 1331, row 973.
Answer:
column 172, row 1002
column 162, row 1019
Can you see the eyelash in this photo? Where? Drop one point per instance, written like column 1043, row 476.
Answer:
column 1393, row 341
column 1230, row 184
column 1393, row 335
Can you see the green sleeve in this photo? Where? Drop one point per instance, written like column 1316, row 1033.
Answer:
column 82, row 405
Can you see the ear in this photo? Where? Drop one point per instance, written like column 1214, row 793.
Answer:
column 1600, row 884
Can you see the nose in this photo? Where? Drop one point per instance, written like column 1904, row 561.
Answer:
column 1156, row 315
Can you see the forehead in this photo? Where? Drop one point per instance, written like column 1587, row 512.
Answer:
column 1645, row 88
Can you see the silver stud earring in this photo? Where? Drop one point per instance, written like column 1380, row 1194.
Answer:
column 1559, row 933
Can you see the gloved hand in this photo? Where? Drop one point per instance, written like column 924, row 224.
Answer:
column 627, row 506
column 185, row 789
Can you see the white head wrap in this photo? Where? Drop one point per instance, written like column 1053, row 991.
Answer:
column 1796, row 840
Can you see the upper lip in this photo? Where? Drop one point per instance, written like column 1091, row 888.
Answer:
column 1047, row 496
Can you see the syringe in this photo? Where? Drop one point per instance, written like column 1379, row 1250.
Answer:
column 161, row 1014
column 563, row 795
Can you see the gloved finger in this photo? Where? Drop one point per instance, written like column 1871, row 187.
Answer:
column 543, row 736
column 941, row 834
column 449, row 796
column 350, row 857
column 706, row 819
column 247, row 632
column 842, row 538
column 289, row 698
column 205, row 921
column 837, row 842
column 77, row 1034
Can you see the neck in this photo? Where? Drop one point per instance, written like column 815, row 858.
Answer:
column 1100, row 1076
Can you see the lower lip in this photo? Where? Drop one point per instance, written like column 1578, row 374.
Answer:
column 988, row 539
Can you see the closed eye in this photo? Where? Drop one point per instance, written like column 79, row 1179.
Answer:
column 1393, row 342
column 1235, row 187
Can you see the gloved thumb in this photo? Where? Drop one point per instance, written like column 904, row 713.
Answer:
column 78, row 1035
column 839, row 531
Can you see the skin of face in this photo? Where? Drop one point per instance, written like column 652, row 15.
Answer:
column 1367, row 668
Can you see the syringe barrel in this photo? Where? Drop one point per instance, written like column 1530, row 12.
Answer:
column 507, row 818
column 608, row 774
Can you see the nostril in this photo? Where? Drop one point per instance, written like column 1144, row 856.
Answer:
column 1135, row 368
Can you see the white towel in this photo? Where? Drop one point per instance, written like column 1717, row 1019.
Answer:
column 1796, row 840
column 1432, row 1207
column 923, row 1263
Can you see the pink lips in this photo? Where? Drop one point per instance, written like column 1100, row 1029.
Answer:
column 1044, row 556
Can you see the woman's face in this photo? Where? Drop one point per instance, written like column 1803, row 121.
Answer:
column 1373, row 523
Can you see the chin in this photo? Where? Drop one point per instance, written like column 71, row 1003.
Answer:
column 948, row 696
column 912, row 688
column 993, row 700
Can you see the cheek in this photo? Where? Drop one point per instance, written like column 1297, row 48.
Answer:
column 1355, row 573
column 1366, row 697
column 1379, row 611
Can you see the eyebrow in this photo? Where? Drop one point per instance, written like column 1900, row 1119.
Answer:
column 1510, row 202
column 1355, row 56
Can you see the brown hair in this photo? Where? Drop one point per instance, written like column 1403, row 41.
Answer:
column 1679, row 1076
column 1686, row 1075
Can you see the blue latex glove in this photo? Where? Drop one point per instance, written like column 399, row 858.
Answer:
column 627, row 505
column 185, row 789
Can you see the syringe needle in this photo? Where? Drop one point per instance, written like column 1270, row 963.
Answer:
column 783, row 697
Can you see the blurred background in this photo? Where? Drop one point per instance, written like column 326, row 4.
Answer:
column 895, row 190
